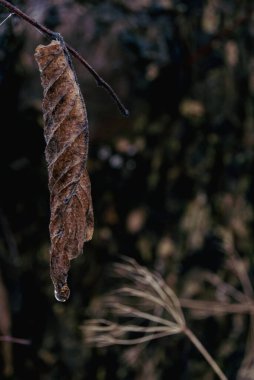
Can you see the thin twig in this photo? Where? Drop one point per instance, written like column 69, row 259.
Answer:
column 217, row 307
column 94, row 326
column 225, row 288
column 100, row 82
column 121, row 309
column 242, row 274
column 6, row 18
column 167, row 306
column 238, row 267
column 107, row 340
column 205, row 353
column 142, row 277
column 11, row 339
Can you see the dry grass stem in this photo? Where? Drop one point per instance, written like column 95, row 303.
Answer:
column 215, row 308
column 225, row 288
column 145, row 309
column 239, row 267
column 205, row 354
column 11, row 339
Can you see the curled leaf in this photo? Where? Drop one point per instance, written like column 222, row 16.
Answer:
column 66, row 135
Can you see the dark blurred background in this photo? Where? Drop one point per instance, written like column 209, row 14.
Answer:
column 172, row 185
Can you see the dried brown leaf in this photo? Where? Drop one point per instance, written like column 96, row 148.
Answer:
column 66, row 135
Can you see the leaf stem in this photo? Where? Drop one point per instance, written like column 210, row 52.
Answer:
column 100, row 81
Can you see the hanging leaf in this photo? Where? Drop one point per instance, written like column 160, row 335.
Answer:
column 66, row 135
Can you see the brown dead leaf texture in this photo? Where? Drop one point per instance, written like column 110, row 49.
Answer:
column 66, row 135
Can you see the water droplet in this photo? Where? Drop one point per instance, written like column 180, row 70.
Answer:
column 63, row 294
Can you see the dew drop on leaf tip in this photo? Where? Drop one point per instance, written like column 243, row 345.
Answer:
column 62, row 295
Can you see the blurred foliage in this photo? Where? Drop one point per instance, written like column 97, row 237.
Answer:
column 172, row 185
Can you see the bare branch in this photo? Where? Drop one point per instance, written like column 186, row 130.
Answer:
column 49, row 33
